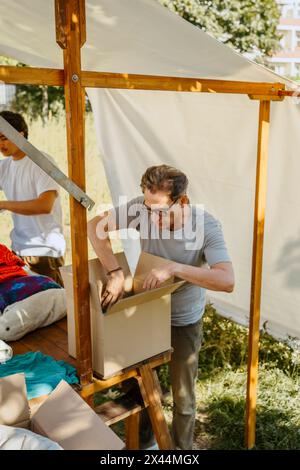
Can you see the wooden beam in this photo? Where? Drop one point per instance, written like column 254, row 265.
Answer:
column 99, row 385
column 155, row 410
column 267, row 97
column 291, row 93
column 82, row 21
column 61, row 24
column 113, row 411
column 44, row 76
column 132, row 431
column 75, row 104
column 195, row 85
column 31, row 76
column 257, row 259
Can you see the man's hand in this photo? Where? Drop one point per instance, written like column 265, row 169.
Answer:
column 158, row 275
column 114, row 289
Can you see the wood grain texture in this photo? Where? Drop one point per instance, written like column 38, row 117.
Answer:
column 51, row 340
column 257, row 259
column 44, row 76
column 75, row 104
column 31, row 75
column 155, row 410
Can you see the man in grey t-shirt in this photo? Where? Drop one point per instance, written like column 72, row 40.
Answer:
column 191, row 239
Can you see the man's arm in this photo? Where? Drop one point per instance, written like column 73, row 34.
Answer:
column 42, row 205
column 98, row 234
column 121, row 217
column 219, row 277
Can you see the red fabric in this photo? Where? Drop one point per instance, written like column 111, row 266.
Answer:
column 10, row 264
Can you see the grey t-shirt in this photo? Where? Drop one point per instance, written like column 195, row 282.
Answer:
column 200, row 242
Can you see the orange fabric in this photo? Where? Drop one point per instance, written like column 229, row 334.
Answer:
column 10, row 264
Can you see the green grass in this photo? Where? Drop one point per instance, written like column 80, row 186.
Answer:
column 222, row 403
column 221, row 389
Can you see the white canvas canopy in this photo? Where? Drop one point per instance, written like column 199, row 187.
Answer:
column 212, row 137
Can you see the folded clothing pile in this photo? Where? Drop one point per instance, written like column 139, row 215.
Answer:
column 27, row 301
column 11, row 266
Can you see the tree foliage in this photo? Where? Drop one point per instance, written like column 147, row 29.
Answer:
column 37, row 101
column 246, row 25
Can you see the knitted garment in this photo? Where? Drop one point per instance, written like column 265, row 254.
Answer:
column 10, row 264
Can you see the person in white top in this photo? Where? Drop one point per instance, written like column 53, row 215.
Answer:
column 33, row 198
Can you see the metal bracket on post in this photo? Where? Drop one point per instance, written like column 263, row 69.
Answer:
column 45, row 164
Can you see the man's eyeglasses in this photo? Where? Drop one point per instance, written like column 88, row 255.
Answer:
column 158, row 210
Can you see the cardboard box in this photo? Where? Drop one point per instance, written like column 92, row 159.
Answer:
column 136, row 328
column 14, row 407
column 64, row 417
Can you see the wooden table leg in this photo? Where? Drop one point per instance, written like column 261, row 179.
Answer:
column 132, row 431
column 155, row 410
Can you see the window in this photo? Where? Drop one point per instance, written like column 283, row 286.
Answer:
column 297, row 9
column 297, row 38
column 7, row 94
column 2, row 94
column 283, row 42
column 287, row 11
column 297, row 69
column 280, row 69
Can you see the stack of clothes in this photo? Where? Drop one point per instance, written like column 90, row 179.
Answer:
column 11, row 266
column 27, row 301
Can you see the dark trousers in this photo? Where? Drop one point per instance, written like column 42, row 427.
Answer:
column 186, row 342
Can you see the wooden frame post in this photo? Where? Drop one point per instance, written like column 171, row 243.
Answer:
column 257, row 258
column 70, row 35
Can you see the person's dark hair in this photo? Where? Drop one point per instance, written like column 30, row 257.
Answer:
column 165, row 178
column 16, row 120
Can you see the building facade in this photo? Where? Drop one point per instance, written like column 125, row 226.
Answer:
column 287, row 61
column 7, row 94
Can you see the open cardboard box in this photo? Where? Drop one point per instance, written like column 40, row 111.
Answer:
column 64, row 417
column 135, row 328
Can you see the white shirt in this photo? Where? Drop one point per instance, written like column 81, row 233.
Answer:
column 32, row 235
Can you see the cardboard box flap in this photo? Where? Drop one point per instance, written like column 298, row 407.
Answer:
column 14, row 408
column 65, row 418
column 146, row 262
column 146, row 296
column 96, row 270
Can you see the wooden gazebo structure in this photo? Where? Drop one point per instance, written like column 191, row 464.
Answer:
column 70, row 36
